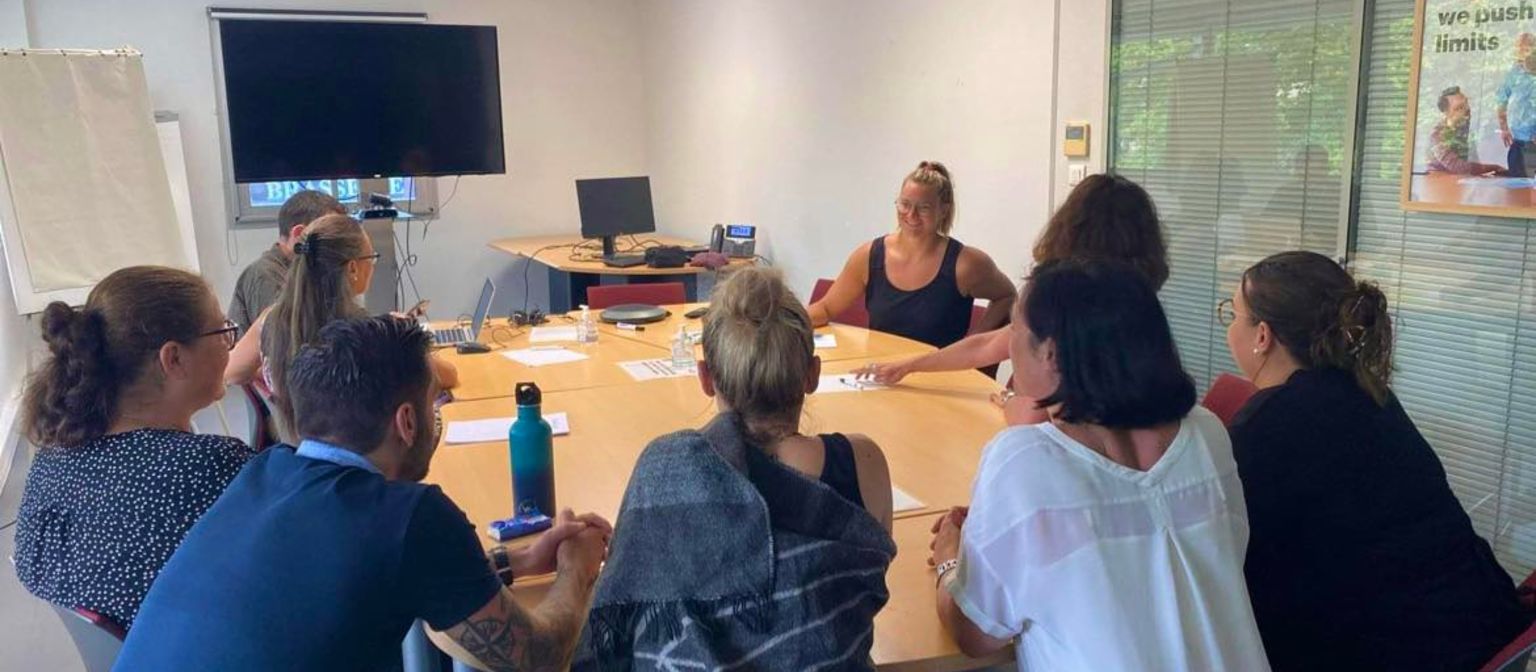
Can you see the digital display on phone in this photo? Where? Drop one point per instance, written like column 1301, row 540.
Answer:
column 740, row 231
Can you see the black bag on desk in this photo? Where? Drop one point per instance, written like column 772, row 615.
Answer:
column 666, row 256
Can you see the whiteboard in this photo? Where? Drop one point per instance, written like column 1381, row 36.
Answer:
column 89, row 182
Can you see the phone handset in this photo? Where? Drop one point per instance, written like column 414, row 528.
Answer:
column 717, row 238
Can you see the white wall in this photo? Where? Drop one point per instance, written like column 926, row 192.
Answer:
column 802, row 116
column 571, row 100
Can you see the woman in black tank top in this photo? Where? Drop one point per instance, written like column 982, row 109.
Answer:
column 918, row 282
column 759, row 364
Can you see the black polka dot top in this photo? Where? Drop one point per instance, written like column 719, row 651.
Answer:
column 100, row 519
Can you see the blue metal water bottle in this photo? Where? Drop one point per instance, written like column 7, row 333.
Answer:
column 531, row 444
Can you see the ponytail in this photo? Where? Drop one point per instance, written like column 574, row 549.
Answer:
column 98, row 351
column 315, row 293
column 1323, row 317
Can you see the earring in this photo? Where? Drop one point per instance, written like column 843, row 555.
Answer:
column 1255, row 351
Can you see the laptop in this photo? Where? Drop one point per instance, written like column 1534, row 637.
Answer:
column 447, row 336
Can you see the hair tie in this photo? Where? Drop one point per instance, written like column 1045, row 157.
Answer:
column 309, row 247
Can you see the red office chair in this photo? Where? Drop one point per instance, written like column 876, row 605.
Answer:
column 1514, row 656
column 97, row 638
column 855, row 315
column 1227, row 396
column 653, row 293
column 976, row 314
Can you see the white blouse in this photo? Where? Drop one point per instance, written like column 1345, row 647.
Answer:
column 1096, row 566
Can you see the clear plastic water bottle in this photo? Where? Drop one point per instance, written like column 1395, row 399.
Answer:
column 586, row 329
column 530, row 441
column 682, row 350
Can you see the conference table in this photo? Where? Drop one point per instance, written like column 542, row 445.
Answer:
column 932, row 428
column 1452, row 190
column 574, row 264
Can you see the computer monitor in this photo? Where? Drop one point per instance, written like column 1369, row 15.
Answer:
column 613, row 207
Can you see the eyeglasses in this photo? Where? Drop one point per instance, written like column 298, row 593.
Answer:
column 230, row 332
column 1226, row 312
column 370, row 258
column 906, row 207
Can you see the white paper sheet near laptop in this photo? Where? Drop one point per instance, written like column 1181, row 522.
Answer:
column 495, row 429
column 543, row 356
column 847, row 382
column 825, row 340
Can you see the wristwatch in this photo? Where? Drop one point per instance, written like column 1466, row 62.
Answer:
column 502, row 563
column 1006, row 395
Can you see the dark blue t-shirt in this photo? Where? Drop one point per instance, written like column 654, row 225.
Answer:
column 304, row 564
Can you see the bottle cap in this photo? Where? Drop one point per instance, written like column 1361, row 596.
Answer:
column 528, row 394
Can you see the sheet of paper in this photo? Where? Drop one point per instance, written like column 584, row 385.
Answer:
column 552, row 334
column 846, row 383
column 901, row 501
column 652, row 369
column 495, row 429
column 826, row 340
column 543, row 356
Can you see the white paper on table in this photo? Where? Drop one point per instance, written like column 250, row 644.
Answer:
column 552, row 334
column 543, row 356
column 826, row 340
column 901, row 501
column 495, row 429
column 847, row 383
column 652, row 369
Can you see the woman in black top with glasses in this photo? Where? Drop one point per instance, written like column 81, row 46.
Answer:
column 118, row 477
column 918, row 282
column 1360, row 557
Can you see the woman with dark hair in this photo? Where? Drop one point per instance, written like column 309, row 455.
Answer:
column 1105, row 217
column 333, row 266
column 118, row 477
column 1112, row 536
column 1361, row 556
column 918, row 282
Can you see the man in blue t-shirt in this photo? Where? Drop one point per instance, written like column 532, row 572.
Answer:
column 321, row 557
column 1516, row 101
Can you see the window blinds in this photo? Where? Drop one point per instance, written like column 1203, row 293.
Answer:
column 1233, row 114
column 1465, row 311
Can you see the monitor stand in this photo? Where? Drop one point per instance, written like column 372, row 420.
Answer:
column 609, row 248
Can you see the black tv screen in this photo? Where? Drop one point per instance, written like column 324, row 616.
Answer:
column 329, row 100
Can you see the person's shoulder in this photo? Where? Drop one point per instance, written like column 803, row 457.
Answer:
column 1021, row 449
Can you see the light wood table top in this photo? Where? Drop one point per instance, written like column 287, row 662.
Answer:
column 908, row 635
column 1452, row 190
column 556, row 252
column 852, row 342
column 932, row 428
column 491, row 375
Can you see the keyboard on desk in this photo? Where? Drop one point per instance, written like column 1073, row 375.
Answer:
column 624, row 260
column 450, row 336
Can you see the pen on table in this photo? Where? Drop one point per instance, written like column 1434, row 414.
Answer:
column 629, row 327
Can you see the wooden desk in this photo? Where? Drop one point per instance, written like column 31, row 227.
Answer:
column 852, row 342
column 490, row 375
column 908, row 635
column 932, row 429
column 570, row 277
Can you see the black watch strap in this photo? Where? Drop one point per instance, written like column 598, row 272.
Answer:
column 502, row 563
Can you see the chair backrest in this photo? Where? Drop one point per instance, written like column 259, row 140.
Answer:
column 260, row 425
column 855, row 315
column 652, row 293
column 1227, row 395
column 96, row 637
column 1514, row 656
column 976, row 314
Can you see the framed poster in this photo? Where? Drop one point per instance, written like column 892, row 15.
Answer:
column 1470, row 142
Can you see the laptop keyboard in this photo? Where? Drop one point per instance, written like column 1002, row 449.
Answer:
column 450, row 336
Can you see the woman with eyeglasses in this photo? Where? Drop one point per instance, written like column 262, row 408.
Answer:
column 1360, row 556
column 333, row 265
column 918, row 282
column 119, row 477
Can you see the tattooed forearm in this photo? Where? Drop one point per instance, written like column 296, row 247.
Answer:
column 506, row 639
